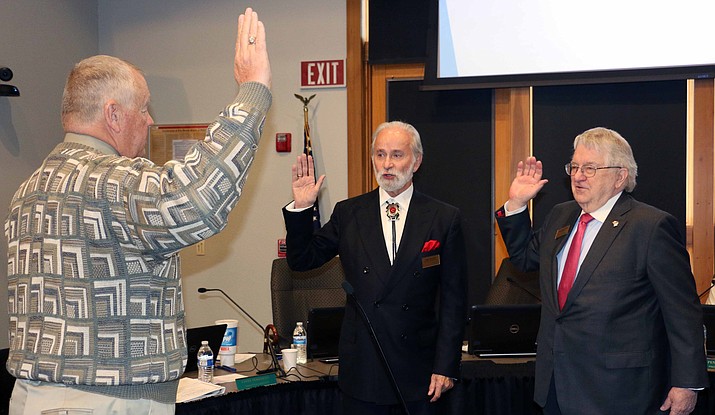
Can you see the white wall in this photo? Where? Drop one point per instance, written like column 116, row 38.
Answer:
column 185, row 48
column 40, row 41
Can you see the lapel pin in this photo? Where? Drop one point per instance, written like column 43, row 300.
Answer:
column 615, row 223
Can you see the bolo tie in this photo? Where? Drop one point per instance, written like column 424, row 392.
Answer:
column 393, row 214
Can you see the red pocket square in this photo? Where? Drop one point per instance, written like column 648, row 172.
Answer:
column 430, row 245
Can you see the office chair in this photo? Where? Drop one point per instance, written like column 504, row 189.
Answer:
column 294, row 293
column 512, row 286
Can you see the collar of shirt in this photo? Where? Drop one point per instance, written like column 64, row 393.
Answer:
column 90, row 141
column 602, row 213
column 403, row 199
column 599, row 216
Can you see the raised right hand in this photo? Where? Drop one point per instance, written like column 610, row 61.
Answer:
column 527, row 183
column 251, row 61
column 305, row 187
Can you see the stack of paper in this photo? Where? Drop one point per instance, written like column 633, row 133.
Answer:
column 191, row 389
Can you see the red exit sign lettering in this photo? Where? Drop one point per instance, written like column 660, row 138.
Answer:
column 322, row 74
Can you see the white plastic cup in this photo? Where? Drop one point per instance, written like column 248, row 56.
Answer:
column 290, row 356
column 227, row 353
column 227, row 359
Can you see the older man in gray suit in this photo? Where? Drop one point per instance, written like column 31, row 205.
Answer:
column 621, row 325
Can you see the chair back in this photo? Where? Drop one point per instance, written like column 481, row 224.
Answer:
column 7, row 383
column 512, row 286
column 294, row 293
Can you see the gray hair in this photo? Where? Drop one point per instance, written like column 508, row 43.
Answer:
column 416, row 142
column 92, row 82
column 616, row 149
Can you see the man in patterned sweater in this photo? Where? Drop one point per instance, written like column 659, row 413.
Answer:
column 95, row 303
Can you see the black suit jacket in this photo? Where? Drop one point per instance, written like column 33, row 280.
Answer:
column 417, row 306
column 632, row 324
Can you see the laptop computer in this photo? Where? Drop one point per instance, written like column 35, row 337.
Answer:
column 323, row 327
column 194, row 336
column 709, row 321
column 504, row 330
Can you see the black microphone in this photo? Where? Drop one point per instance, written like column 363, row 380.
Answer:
column 712, row 283
column 350, row 291
column 275, row 367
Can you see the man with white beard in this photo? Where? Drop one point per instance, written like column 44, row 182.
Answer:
column 403, row 252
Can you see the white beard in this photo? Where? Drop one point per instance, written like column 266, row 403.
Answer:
column 401, row 179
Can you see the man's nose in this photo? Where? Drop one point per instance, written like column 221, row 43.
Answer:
column 579, row 176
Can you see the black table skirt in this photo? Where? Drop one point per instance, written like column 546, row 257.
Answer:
column 495, row 389
column 486, row 388
column 307, row 397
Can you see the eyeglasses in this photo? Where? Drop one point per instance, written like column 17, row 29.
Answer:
column 588, row 171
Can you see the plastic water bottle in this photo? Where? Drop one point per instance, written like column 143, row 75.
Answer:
column 300, row 342
column 705, row 337
column 206, row 362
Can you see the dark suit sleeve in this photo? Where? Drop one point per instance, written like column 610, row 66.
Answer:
column 519, row 238
column 306, row 249
column 452, row 302
column 669, row 272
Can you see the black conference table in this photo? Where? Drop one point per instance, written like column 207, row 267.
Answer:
column 488, row 387
column 302, row 391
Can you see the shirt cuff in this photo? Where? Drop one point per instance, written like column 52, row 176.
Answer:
column 508, row 212
column 290, row 207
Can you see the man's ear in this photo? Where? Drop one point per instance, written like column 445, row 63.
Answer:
column 112, row 116
column 622, row 177
column 418, row 163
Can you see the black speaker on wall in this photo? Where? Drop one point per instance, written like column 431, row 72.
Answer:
column 398, row 31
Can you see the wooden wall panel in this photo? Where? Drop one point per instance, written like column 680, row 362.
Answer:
column 512, row 143
column 356, row 69
column 703, row 243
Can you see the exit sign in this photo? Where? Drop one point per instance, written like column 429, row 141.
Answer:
column 322, row 74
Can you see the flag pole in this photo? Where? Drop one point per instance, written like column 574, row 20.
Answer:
column 307, row 144
column 308, row 151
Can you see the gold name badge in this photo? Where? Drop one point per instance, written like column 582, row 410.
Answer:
column 430, row 261
column 562, row 232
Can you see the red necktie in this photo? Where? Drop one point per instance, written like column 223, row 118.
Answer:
column 569, row 273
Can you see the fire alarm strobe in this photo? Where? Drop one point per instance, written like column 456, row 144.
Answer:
column 283, row 142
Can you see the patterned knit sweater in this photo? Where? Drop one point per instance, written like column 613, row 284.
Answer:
column 93, row 267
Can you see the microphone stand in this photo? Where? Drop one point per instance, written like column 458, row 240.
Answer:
column 350, row 291
column 275, row 367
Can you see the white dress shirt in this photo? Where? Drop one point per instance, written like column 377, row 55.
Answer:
column 403, row 199
column 599, row 216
